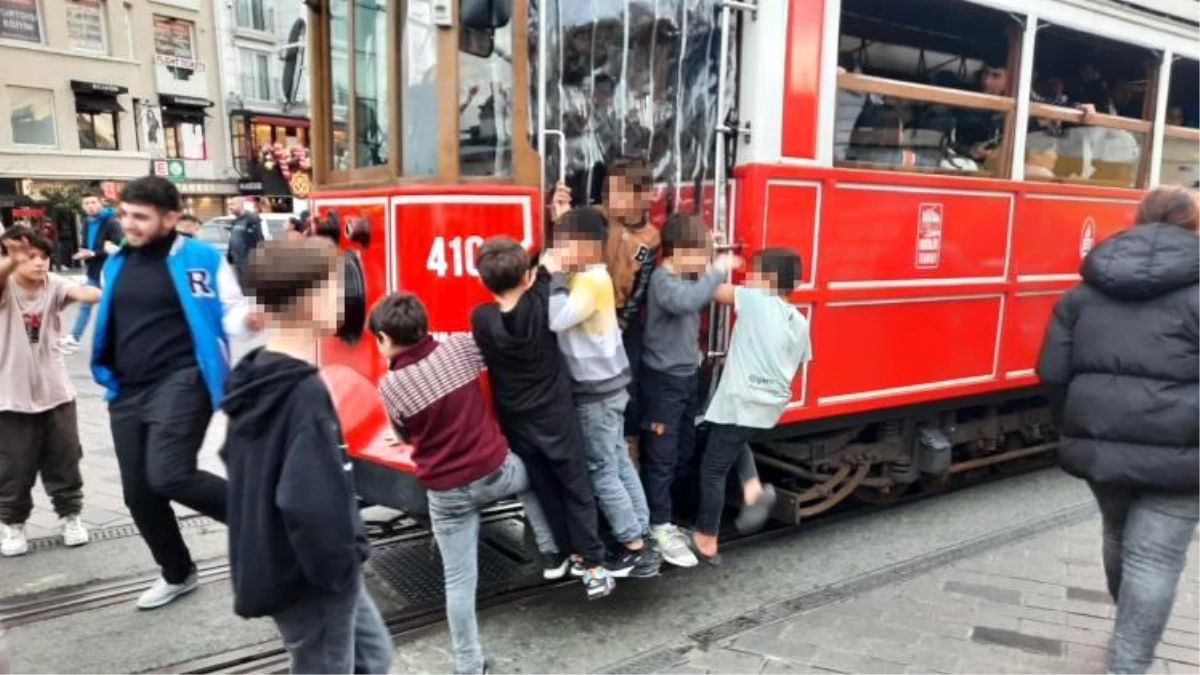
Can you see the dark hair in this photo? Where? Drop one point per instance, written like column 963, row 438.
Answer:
column 189, row 217
column 279, row 272
column 686, row 231
column 34, row 238
column 1170, row 205
column 581, row 224
column 152, row 191
column 400, row 316
column 502, row 263
column 633, row 169
column 783, row 265
column 328, row 227
column 91, row 192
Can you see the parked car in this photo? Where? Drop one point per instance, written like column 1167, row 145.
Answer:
column 216, row 230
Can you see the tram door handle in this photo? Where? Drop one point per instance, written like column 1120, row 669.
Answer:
column 562, row 152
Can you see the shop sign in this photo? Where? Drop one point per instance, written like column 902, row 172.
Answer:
column 172, row 169
column 85, row 26
column 19, row 20
column 150, row 129
column 300, row 185
column 929, row 236
column 250, row 187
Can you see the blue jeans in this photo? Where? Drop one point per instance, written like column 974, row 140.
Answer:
column 455, row 517
column 614, row 480
column 85, row 314
column 336, row 633
column 1146, row 538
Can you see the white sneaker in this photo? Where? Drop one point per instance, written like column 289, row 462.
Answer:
column 673, row 546
column 73, row 531
column 14, row 542
column 68, row 345
column 163, row 593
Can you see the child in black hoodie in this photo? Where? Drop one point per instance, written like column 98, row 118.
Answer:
column 296, row 542
column 531, row 394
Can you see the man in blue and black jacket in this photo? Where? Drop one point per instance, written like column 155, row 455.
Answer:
column 101, row 236
column 161, row 351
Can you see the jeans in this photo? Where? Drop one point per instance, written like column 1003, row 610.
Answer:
column 614, row 480
column 1146, row 537
column 85, row 314
column 158, row 433
column 632, row 340
column 45, row 443
column 455, row 517
column 669, row 407
column 336, row 633
column 728, row 446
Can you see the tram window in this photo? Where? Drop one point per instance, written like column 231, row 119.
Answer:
column 339, row 78
column 371, row 117
column 419, row 104
column 485, row 96
column 926, row 86
column 1180, row 163
column 1074, row 73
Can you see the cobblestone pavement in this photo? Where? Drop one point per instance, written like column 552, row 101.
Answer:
column 1036, row 606
column 103, row 504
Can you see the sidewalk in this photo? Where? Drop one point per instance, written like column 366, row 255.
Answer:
column 1037, row 606
column 103, row 504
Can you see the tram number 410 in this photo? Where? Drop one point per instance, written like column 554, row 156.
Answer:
column 454, row 257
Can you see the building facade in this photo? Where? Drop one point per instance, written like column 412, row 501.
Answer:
column 98, row 92
column 263, row 47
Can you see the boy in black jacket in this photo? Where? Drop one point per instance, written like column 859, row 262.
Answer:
column 296, row 542
column 531, row 394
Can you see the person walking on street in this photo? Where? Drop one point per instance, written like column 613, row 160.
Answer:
column 245, row 235
column 101, row 238
column 1119, row 363
column 37, row 400
column 161, row 351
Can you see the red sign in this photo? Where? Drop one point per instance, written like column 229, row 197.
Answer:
column 1087, row 237
column 929, row 236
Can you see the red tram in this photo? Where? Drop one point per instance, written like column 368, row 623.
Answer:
column 848, row 130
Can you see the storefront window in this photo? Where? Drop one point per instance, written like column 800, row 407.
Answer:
column 86, row 28
column 185, row 139
column 97, row 130
column 32, row 116
column 21, row 20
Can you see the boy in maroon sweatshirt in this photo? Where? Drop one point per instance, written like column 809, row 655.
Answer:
column 432, row 393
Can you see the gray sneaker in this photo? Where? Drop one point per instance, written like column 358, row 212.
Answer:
column 673, row 546
column 163, row 592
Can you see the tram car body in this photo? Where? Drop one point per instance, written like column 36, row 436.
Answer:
column 930, row 267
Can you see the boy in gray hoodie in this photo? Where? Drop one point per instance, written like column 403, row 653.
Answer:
column 686, row 282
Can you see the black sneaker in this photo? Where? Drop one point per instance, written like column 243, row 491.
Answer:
column 598, row 583
column 555, row 566
column 647, row 565
column 623, row 562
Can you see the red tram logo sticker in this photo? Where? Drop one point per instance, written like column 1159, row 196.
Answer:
column 1087, row 238
column 929, row 236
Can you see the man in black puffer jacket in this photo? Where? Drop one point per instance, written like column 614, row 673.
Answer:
column 1120, row 363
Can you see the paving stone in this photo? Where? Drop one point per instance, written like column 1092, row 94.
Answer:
column 1090, row 623
column 728, row 661
column 1065, row 633
column 1017, row 640
column 1070, row 606
column 1088, row 595
column 1181, row 639
column 774, row 640
column 993, row 593
column 853, row 662
column 1179, row 654
column 1174, row 667
column 1183, row 624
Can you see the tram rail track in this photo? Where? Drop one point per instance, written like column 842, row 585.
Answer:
column 271, row 657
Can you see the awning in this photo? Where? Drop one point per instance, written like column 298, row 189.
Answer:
column 98, row 89
column 192, row 115
column 97, row 104
column 173, row 101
